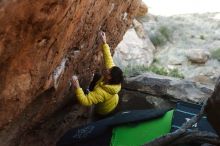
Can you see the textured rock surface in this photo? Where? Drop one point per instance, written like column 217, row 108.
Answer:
column 143, row 9
column 139, row 29
column 169, row 87
column 43, row 43
column 131, row 100
column 198, row 55
column 134, row 51
column 179, row 36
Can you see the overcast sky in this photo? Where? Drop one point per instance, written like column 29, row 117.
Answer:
column 172, row 7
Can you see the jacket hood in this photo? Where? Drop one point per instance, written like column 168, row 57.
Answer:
column 111, row 89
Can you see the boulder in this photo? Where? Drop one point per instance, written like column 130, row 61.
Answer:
column 198, row 55
column 135, row 100
column 143, row 9
column 42, row 44
column 168, row 87
column 139, row 29
column 134, row 51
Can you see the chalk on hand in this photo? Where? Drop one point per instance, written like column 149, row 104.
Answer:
column 74, row 77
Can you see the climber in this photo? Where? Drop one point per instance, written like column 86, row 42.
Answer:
column 103, row 90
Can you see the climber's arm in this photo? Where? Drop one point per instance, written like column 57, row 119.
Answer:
column 106, row 52
column 107, row 56
column 92, row 98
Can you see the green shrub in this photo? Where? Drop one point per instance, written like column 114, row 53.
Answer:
column 202, row 37
column 175, row 73
column 165, row 32
column 155, row 60
column 192, row 36
column 158, row 70
column 160, row 36
column 216, row 54
column 157, row 39
column 135, row 70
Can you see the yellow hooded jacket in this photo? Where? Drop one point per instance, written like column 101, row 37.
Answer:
column 104, row 96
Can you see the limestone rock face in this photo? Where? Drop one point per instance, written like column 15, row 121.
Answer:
column 143, row 9
column 139, row 29
column 42, row 44
column 134, row 51
column 169, row 87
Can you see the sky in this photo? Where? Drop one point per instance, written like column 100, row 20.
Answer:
column 173, row 7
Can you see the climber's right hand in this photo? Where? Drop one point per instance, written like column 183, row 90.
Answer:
column 75, row 82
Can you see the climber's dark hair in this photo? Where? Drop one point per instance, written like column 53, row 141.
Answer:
column 116, row 75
